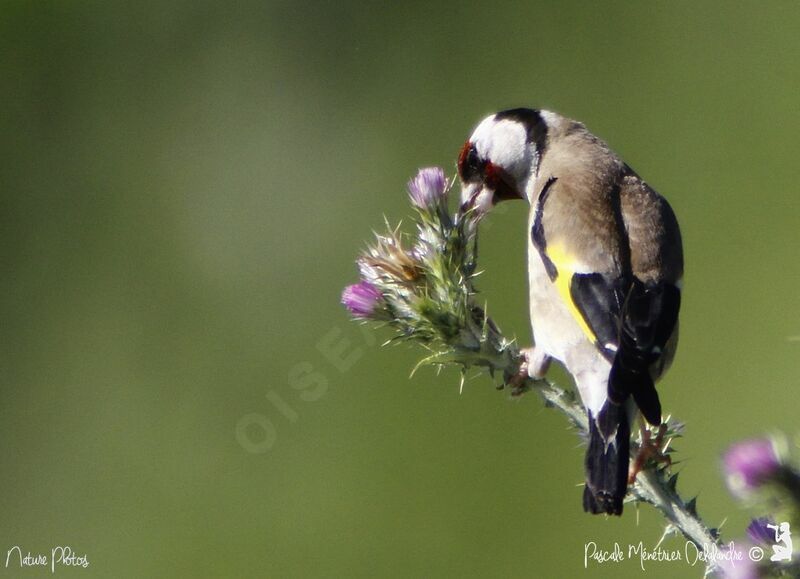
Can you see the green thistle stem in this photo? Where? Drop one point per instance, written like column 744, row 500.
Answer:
column 652, row 485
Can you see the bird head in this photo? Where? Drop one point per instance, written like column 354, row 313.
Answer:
column 500, row 158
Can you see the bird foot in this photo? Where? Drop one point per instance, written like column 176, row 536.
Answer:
column 651, row 450
column 537, row 362
column 534, row 365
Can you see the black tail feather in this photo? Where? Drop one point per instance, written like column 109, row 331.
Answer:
column 607, row 459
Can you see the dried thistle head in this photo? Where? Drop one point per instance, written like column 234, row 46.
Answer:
column 388, row 259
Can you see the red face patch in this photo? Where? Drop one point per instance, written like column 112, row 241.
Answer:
column 470, row 167
column 501, row 182
column 473, row 169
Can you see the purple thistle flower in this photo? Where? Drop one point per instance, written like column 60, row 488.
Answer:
column 744, row 568
column 362, row 299
column 759, row 533
column 428, row 187
column 750, row 463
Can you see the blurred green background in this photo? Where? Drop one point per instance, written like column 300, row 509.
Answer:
column 184, row 186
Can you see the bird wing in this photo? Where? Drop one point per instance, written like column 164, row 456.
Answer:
column 612, row 249
column 577, row 235
column 649, row 320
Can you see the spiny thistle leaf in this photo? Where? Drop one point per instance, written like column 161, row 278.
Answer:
column 691, row 506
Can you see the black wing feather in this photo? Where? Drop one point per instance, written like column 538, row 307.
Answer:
column 632, row 322
column 599, row 300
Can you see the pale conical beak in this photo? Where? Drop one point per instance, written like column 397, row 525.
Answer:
column 478, row 196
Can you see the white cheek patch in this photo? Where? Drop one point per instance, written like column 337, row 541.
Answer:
column 504, row 142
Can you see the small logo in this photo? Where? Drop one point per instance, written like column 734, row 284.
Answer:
column 782, row 549
column 61, row 556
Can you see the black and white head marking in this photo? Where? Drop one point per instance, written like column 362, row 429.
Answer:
column 501, row 156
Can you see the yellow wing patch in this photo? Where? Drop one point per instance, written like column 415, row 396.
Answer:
column 566, row 265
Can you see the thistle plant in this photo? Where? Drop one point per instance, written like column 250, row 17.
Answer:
column 422, row 286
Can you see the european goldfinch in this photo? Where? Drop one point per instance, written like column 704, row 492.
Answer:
column 605, row 263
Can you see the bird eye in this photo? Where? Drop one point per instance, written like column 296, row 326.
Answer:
column 470, row 166
column 473, row 162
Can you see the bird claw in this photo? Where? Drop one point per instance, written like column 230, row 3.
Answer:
column 534, row 365
column 651, row 450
